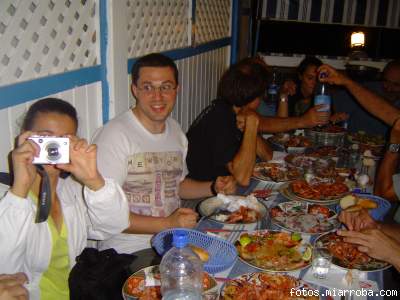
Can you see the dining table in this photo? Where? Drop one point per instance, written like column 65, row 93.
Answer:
column 335, row 281
column 334, row 286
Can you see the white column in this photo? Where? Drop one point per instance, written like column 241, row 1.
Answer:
column 117, row 57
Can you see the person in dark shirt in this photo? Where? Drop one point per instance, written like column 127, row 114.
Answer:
column 268, row 124
column 298, row 97
column 295, row 99
column 217, row 145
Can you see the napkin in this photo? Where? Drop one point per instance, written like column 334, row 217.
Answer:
column 233, row 203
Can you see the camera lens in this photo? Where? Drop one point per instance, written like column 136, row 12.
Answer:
column 53, row 153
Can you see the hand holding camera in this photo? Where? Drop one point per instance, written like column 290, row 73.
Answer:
column 83, row 164
column 69, row 154
column 23, row 169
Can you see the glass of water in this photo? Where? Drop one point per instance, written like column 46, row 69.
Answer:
column 321, row 263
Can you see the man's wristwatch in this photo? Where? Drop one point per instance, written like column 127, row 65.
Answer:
column 283, row 98
column 394, row 148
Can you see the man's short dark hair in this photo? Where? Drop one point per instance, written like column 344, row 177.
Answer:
column 153, row 60
column 242, row 83
column 257, row 66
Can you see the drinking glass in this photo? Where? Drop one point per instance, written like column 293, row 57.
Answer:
column 321, row 263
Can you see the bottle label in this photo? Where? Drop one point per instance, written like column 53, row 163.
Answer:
column 323, row 99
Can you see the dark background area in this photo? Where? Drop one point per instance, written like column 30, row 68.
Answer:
column 325, row 39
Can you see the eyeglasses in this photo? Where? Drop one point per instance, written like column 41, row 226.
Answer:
column 164, row 89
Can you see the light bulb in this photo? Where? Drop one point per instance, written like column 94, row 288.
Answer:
column 357, row 39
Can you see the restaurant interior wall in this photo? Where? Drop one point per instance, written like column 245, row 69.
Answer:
column 48, row 49
column 79, row 51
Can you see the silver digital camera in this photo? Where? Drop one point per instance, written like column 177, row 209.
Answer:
column 53, row 150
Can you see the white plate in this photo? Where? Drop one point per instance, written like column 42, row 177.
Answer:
column 208, row 206
column 288, row 194
column 373, row 266
column 302, row 247
column 297, row 219
column 262, row 167
column 151, row 275
column 254, row 278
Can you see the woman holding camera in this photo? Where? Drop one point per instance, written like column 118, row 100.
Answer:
column 45, row 250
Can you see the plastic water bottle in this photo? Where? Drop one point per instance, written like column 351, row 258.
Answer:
column 181, row 271
column 273, row 89
column 322, row 95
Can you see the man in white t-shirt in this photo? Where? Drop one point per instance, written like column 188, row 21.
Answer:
column 145, row 150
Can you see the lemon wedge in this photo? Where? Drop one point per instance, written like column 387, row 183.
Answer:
column 307, row 254
column 245, row 240
column 296, row 237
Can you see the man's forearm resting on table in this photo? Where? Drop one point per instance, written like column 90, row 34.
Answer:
column 193, row 189
column 146, row 224
column 242, row 164
column 264, row 152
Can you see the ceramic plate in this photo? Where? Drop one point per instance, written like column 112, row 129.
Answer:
column 342, row 257
column 276, row 172
column 303, row 217
column 320, row 192
column 254, row 286
column 146, row 284
column 273, row 250
column 307, row 162
column 288, row 194
column 213, row 208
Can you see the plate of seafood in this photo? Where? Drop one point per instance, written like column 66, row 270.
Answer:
column 233, row 209
column 276, row 172
column 324, row 151
column 320, row 192
column 254, row 286
column 329, row 128
column 346, row 255
column 303, row 217
column 290, row 143
column 374, row 143
column 308, row 162
column 273, row 250
column 146, row 284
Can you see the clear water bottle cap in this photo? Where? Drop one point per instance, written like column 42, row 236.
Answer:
column 180, row 239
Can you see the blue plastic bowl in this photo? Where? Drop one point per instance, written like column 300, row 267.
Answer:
column 377, row 213
column 222, row 253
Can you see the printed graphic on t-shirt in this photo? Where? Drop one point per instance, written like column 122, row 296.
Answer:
column 152, row 182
